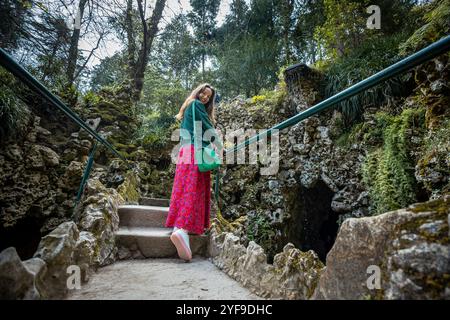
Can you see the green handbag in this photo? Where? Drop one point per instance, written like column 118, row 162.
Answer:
column 206, row 157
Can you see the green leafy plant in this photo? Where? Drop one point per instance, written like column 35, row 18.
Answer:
column 14, row 114
column 436, row 15
column 388, row 171
column 155, row 130
column 91, row 98
column 260, row 231
column 369, row 58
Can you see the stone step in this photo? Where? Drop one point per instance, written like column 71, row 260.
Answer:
column 154, row 202
column 142, row 216
column 156, row 243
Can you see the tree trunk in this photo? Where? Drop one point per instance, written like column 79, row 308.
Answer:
column 131, row 50
column 203, row 65
column 73, row 50
column 46, row 69
column 150, row 31
column 203, row 37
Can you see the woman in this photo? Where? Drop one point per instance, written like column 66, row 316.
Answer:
column 189, row 210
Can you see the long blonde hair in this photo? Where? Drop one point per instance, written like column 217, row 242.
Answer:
column 195, row 95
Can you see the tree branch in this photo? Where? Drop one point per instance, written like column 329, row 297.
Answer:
column 89, row 57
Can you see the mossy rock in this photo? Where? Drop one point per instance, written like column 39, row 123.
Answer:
column 129, row 188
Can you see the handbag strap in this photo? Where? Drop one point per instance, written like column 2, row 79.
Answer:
column 193, row 122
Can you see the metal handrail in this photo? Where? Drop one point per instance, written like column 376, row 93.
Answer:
column 17, row 70
column 435, row 49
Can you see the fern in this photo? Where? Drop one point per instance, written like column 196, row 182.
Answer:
column 388, row 171
column 14, row 114
column 374, row 55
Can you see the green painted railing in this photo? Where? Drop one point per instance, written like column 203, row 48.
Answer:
column 18, row 71
column 401, row 66
column 423, row 55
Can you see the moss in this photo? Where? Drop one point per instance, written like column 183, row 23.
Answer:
column 124, row 147
column 69, row 94
column 441, row 206
column 367, row 133
column 259, row 229
column 343, row 140
column 437, row 111
column 258, row 98
column 269, row 99
column 91, row 99
column 129, row 188
column 223, row 225
column 431, row 283
column 434, row 153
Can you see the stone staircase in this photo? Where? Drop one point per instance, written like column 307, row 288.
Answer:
column 142, row 233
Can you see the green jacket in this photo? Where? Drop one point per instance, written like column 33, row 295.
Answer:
column 200, row 115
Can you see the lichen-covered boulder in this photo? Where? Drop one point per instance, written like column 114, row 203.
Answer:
column 85, row 253
column 51, row 158
column 230, row 251
column 38, row 268
column 98, row 215
column 295, row 273
column 57, row 250
column 72, row 176
column 409, row 248
column 129, row 189
column 16, row 281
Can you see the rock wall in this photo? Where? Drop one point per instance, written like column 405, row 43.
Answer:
column 409, row 248
column 293, row 274
column 40, row 171
column 402, row 254
column 41, row 167
column 312, row 170
column 81, row 246
column 325, row 198
column 320, row 181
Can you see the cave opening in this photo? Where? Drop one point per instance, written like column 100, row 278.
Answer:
column 313, row 225
column 237, row 196
column 25, row 236
column 163, row 163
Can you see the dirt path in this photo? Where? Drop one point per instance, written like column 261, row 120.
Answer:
column 162, row 279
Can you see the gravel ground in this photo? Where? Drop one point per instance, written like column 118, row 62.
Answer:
column 161, row 279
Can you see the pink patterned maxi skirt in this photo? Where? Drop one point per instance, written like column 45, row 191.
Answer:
column 191, row 194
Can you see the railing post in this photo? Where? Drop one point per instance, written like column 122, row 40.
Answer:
column 216, row 186
column 87, row 172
